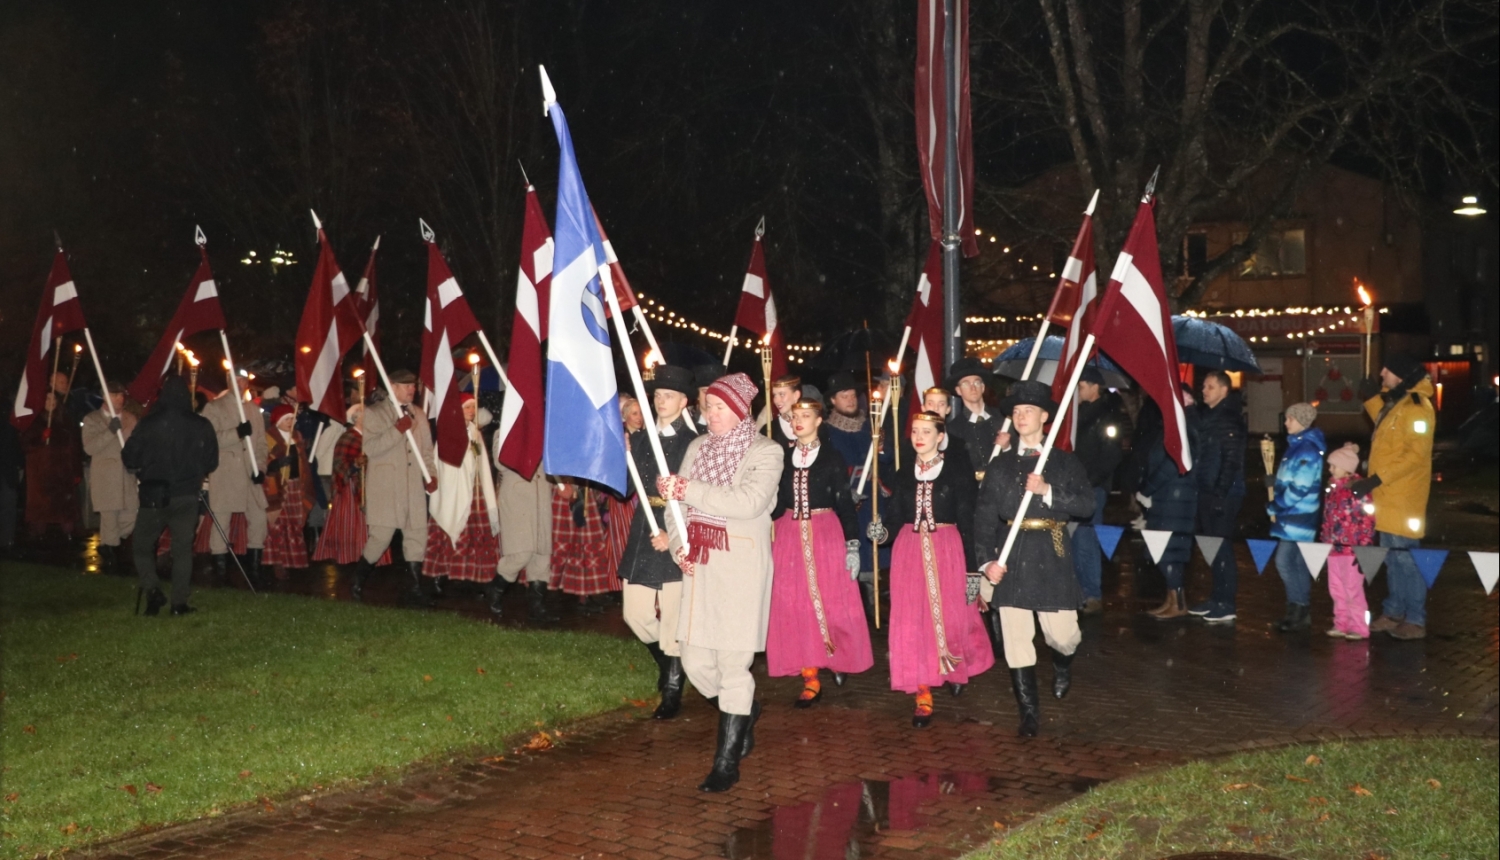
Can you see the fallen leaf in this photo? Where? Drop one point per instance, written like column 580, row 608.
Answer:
column 539, row 742
column 1324, row 817
column 153, row 788
column 1391, row 810
column 1360, row 790
column 129, row 789
column 998, row 826
column 70, row 828
column 481, row 671
column 1432, row 783
column 492, row 759
column 426, row 678
column 639, row 703
column 245, row 774
column 11, row 798
column 1240, row 786
column 68, row 658
column 450, row 718
column 30, row 730
column 1317, row 801
column 1297, row 778
column 1312, row 759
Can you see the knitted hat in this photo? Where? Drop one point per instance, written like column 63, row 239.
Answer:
column 1302, row 413
column 736, row 390
column 279, row 413
column 1404, row 365
column 1346, row 458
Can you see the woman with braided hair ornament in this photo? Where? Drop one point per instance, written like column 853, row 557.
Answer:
column 817, row 619
column 936, row 634
column 727, row 484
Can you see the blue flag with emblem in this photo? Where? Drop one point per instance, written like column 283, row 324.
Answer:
column 583, row 436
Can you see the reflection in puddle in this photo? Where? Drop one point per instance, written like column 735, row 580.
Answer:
column 843, row 824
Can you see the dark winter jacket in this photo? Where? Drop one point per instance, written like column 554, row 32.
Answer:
column 1102, row 428
column 953, row 494
column 1173, row 496
column 1298, row 489
column 1037, row 576
column 978, row 436
column 172, row 449
column 642, row 564
column 1219, row 456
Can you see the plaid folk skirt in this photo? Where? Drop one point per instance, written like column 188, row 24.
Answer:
column 344, row 536
column 475, row 557
column 239, row 531
column 284, row 542
column 580, row 554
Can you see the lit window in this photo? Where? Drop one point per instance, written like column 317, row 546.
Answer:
column 1279, row 254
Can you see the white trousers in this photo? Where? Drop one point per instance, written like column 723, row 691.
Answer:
column 1018, row 631
column 722, row 674
column 641, row 603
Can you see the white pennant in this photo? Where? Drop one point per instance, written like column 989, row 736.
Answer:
column 1370, row 559
column 1314, row 554
column 1156, row 542
column 1209, row 546
column 1487, row 565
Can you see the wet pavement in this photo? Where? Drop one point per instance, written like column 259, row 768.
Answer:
column 851, row 778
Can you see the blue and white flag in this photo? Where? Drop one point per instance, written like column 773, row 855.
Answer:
column 584, row 437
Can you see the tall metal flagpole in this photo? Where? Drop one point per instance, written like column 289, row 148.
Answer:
column 952, row 322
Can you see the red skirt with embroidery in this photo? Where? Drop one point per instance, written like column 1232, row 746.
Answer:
column 580, row 554
column 344, row 536
column 284, row 542
column 474, row 558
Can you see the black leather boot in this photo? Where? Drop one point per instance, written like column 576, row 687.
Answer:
column 362, row 571
column 992, row 630
column 671, row 690
column 660, row 658
column 726, row 772
column 220, row 577
column 253, row 568
column 439, row 587
column 536, row 604
column 493, row 592
column 155, row 600
column 867, row 597
column 748, row 744
column 414, row 594
column 1062, row 673
column 839, row 678
column 1023, row 682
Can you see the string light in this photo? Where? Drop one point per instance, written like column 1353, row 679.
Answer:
column 660, row 313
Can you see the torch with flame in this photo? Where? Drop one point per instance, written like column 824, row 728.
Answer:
column 1368, row 301
column 895, row 401
column 474, row 374
column 652, row 361
column 359, row 382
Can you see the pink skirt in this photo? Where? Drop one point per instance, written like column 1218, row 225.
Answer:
column 284, row 542
column 794, row 638
column 913, row 639
column 477, row 554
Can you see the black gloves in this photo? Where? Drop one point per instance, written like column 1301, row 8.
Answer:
column 243, row 430
column 258, row 478
column 1365, row 486
column 114, row 424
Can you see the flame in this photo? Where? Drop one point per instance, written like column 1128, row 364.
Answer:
column 225, row 362
column 1364, row 295
column 77, row 347
column 305, row 349
column 473, row 359
column 358, row 372
column 653, row 358
column 893, row 366
column 192, row 359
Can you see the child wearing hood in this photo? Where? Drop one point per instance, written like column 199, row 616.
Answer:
column 1346, row 524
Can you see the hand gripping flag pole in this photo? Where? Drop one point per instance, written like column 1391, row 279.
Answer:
column 391, row 392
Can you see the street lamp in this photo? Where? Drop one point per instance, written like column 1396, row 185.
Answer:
column 1471, row 207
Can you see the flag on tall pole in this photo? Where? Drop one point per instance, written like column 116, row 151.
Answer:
column 198, row 311
column 367, row 306
column 59, row 314
column 1134, row 326
column 584, row 435
column 623, row 293
column 932, row 112
column 757, row 310
column 518, row 440
column 926, row 324
column 1073, row 308
column 330, row 326
column 447, row 321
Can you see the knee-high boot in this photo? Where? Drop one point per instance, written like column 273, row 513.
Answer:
column 726, row 771
column 493, row 592
column 671, row 689
column 660, row 658
column 362, row 571
column 415, row 596
column 1062, row 673
column 536, row 604
column 220, row 570
column 992, row 630
column 1023, row 682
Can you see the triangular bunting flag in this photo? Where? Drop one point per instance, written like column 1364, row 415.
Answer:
column 1487, row 565
column 1109, row 538
column 1429, row 562
column 1260, row 551
column 1209, row 546
column 1370, row 559
column 1314, row 555
column 1156, row 542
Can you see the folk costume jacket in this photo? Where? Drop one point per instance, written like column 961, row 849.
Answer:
column 642, row 565
column 1039, row 571
column 394, row 496
column 827, row 487
column 111, row 488
column 953, row 493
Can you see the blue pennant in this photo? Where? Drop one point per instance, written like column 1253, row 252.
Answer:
column 1109, row 538
column 1260, row 550
column 1429, row 562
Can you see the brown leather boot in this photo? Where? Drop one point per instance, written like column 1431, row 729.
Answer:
column 1176, row 607
column 1166, row 604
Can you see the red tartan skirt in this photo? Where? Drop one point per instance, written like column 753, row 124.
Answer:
column 284, row 542
column 239, row 534
column 477, row 554
column 344, row 536
column 618, row 515
column 580, row 555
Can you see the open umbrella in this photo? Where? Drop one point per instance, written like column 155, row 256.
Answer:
column 1204, row 343
column 847, row 352
column 1011, row 362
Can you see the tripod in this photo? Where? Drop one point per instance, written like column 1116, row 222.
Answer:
column 223, row 535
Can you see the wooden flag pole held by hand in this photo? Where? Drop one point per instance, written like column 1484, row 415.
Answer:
column 109, row 405
column 884, row 408
column 234, row 390
column 391, row 391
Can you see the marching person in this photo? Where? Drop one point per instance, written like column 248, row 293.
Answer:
column 785, row 392
column 234, row 493
column 619, row 512
column 847, row 428
column 343, row 540
column 817, row 620
column 939, row 401
column 970, row 420
column 170, row 452
column 526, row 544
column 728, row 481
column 1101, row 433
column 396, row 495
column 1038, row 576
column 463, row 531
column 936, row 635
column 652, row 580
column 289, row 494
column 580, row 544
column 112, row 490
column 54, row 469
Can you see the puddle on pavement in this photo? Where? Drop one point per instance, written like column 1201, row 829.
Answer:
column 844, row 823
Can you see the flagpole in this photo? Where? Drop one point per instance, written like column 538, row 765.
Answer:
column 640, row 319
column 634, row 369
column 1036, row 350
column 390, row 390
column 640, row 489
column 1041, row 461
column 494, row 360
column 733, row 330
column 239, row 404
column 109, row 405
column 885, row 406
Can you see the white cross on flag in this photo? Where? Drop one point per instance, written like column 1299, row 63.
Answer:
column 448, row 321
column 757, row 310
column 519, row 439
column 1073, row 308
column 330, row 326
column 367, row 306
column 59, row 314
column 198, row 311
column 926, row 323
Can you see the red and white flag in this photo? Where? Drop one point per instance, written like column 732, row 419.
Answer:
column 623, row 293
column 926, row 322
column 330, row 326
column 448, row 320
column 198, row 311
column 518, row 440
column 757, row 310
column 59, row 314
column 1134, row 327
column 932, row 118
column 367, row 307
column 1073, row 309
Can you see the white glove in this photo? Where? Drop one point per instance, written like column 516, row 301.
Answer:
column 876, row 532
column 851, row 558
column 1144, row 500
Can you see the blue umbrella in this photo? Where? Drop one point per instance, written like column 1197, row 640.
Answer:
column 1204, row 343
column 1012, row 361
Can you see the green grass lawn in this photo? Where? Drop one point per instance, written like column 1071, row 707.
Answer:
column 112, row 722
column 1390, row 799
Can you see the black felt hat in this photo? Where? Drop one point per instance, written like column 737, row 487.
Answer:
column 1091, row 374
column 1029, row 393
column 673, row 378
column 967, row 366
column 705, row 375
column 841, row 381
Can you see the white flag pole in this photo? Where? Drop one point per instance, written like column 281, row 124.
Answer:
column 234, row 389
column 1036, row 350
column 495, row 361
column 885, row 406
column 729, row 347
column 1041, row 461
column 643, row 498
column 109, row 405
column 391, row 391
column 634, row 369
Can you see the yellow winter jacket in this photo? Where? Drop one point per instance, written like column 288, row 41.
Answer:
column 1401, row 455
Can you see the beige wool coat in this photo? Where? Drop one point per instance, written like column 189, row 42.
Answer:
column 525, row 512
column 111, row 488
column 229, row 486
column 394, row 496
column 726, row 603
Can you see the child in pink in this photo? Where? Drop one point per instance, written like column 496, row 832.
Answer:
column 1346, row 525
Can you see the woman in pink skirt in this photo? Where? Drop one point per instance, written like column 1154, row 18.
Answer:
column 288, row 494
column 936, row 635
column 817, row 620
column 463, row 524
